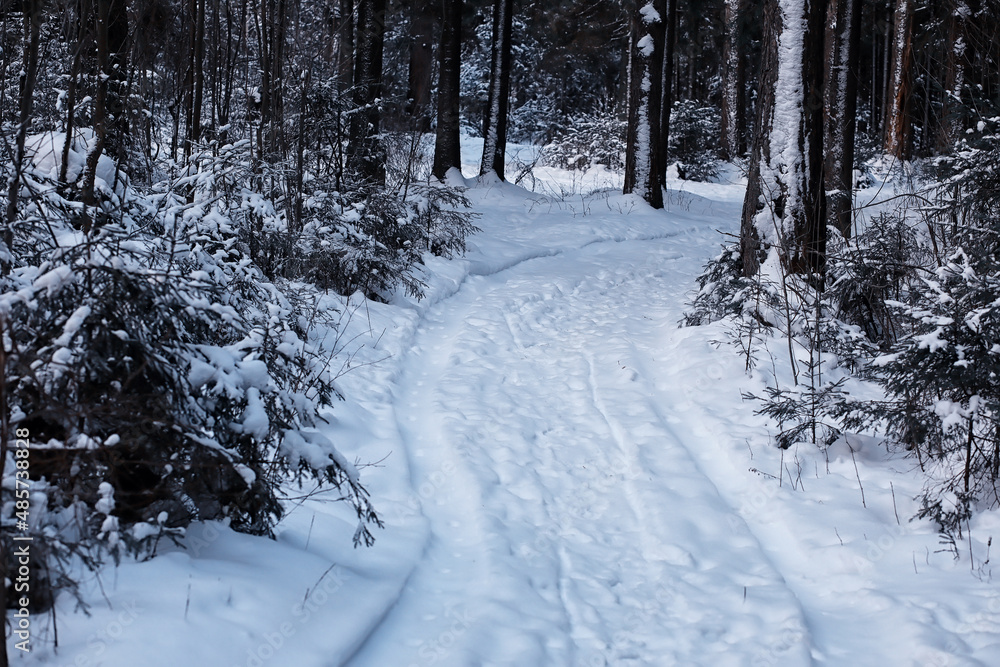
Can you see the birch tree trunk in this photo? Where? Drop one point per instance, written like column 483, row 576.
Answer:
column 648, row 34
column 497, row 105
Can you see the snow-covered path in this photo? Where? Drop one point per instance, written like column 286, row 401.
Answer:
column 568, row 522
column 567, row 479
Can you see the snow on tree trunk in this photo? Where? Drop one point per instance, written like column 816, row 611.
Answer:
column 643, row 143
column 447, row 146
column 897, row 118
column 784, row 209
column 844, row 41
column 495, row 129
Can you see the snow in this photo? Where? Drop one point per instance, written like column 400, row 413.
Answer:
column 567, row 478
column 73, row 325
column 786, row 123
column 649, row 14
column 46, row 156
column 646, row 48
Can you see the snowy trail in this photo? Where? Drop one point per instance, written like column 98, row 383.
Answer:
column 567, row 479
column 568, row 522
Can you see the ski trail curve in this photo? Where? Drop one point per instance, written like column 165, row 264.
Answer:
column 569, row 524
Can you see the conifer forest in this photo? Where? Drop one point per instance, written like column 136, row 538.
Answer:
column 523, row 333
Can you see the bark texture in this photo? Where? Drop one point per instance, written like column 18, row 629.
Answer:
column 785, row 205
column 843, row 49
column 365, row 153
column 447, row 146
column 498, row 102
column 643, row 145
column 423, row 22
column 898, row 135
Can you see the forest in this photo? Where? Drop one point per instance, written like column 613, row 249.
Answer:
column 188, row 180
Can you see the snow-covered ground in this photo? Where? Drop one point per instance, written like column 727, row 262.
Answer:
column 567, row 478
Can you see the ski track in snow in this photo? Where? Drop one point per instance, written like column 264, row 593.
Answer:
column 563, row 536
column 563, row 474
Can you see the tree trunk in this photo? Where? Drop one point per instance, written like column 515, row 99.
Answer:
column 758, row 212
column 274, row 24
column 29, row 75
column 118, row 139
column 447, row 146
column 498, row 101
column 811, row 227
column 74, row 76
column 87, row 194
column 667, row 94
column 785, row 206
column 731, row 69
column 648, row 34
column 898, row 134
column 423, row 24
column 950, row 126
column 196, row 74
column 345, row 45
column 842, row 104
column 365, row 153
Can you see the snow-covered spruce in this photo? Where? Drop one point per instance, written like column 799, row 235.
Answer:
column 163, row 380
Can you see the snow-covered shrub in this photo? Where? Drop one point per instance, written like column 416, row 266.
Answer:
column 941, row 376
column 722, row 289
column 537, row 117
column 694, row 140
column 408, row 157
column 371, row 242
column 876, row 266
column 589, row 139
column 160, row 377
column 943, row 387
column 370, row 239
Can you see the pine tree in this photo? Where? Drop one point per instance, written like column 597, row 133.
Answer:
column 843, row 49
column 498, row 101
column 447, row 147
column 785, row 206
column 366, row 155
column 643, row 144
column 898, row 139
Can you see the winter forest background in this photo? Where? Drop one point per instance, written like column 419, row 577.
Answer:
column 188, row 182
